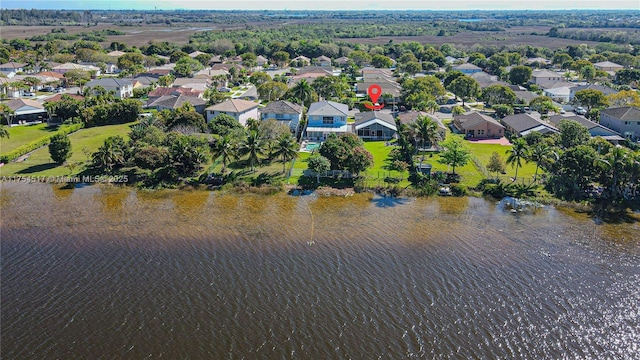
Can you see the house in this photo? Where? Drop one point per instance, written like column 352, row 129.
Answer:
column 323, row 61
column 310, row 73
column 123, row 88
column 143, row 81
column 604, row 89
column 342, row 61
column 523, row 124
column 559, row 94
column 374, row 125
column 164, row 91
column 540, row 61
column 250, row 94
column 542, row 77
column 241, row 110
column 485, row 80
column 116, row 53
column 478, row 126
column 261, row 61
column 595, row 129
column 326, row 117
column 12, row 67
column 408, row 117
column 26, row 111
column 608, row 66
column 285, row 112
column 193, row 83
column 302, row 61
column 623, row 120
column 63, row 68
column 467, row 68
column 173, row 102
column 195, row 54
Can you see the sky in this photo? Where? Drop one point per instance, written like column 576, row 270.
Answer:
column 320, row 5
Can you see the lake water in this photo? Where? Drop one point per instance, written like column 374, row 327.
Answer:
column 102, row 272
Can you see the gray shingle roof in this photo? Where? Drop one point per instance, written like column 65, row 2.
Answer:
column 328, row 108
column 282, row 107
column 522, row 122
column 363, row 117
column 623, row 113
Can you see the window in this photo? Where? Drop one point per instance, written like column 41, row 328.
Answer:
column 279, row 116
column 327, row 120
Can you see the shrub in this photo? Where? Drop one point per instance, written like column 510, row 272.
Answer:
column 458, row 190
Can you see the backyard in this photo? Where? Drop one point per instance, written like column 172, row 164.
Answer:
column 39, row 163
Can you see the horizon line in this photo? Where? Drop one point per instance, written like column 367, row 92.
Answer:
column 327, row 10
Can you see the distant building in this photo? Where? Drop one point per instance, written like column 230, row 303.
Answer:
column 26, row 111
column 595, row 129
column 283, row 111
column 467, row 68
column 478, row 126
column 624, row 120
column 241, row 110
column 122, row 88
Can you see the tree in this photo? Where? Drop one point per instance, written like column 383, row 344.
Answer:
column 542, row 104
column 465, row 87
column 517, row 153
column 588, row 73
column 415, row 91
column 381, row 61
column 318, row 164
column 330, row 87
column 4, row 132
column 286, row 148
column 187, row 154
column 457, row 110
column 60, row 148
column 77, row 77
column 628, row 76
column 253, row 147
column 425, row 129
column 496, row 164
column 187, row 66
column 539, row 154
column 111, row 154
column 520, row 75
column 272, row 90
column 572, row 133
column 624, row 98
column 303, row 92
column 614, row 171
column 259, row 77
column 591, row 99
column 455, row 153
column 359, row 160
column 503, row 110
column 571, row 175
column 224, row 124
column 498, row 94
column 224, row 147
column 280, row 58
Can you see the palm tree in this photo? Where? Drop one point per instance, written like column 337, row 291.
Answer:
column 286, row 148
column 226, row 149
column 616, row 161
column 431, row 106
column 303, row 92
column 109, row 154
column 517, row 153
column 4, row 133
column 425, row 129
column 253, row 146
column 539, row 155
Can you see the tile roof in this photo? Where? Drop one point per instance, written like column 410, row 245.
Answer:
column 234, row 106
column 18, row 103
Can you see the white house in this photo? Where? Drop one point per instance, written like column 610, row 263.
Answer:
column 545, row 77
column 323, row 61
column 241, row 110
column 123, row 88
column 624, row 120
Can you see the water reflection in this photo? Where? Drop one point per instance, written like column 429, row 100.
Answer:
column 123, row 273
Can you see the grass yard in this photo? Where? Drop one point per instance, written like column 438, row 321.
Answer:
column 378, row 172
column 39, row 162
column 24, row 134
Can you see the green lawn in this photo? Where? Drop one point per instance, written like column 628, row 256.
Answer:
column 39, row 162
column 24, row 134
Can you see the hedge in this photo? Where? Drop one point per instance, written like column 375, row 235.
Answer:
column 43, row 141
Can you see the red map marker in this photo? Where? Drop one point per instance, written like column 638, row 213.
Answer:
column 374, row 92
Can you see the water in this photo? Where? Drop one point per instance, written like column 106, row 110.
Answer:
column 105, row 272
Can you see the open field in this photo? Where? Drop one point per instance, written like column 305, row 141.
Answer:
column 39, row 162
column 21, row 135
column 180, row 33
column 512, row 37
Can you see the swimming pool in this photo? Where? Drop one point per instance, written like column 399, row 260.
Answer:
column 312, row 146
